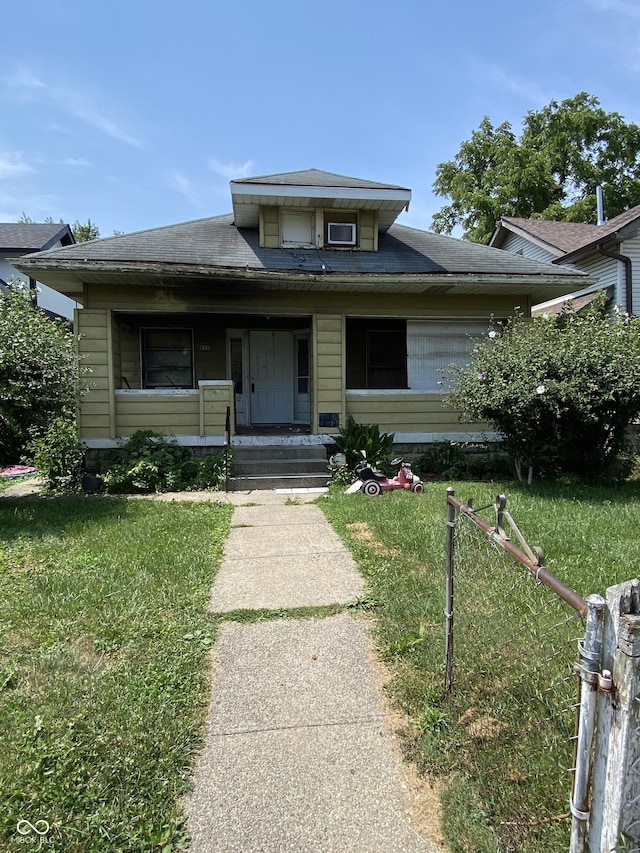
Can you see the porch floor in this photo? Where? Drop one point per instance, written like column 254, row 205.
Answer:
column 274, row 429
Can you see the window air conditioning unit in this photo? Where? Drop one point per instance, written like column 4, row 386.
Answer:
column 341, row 233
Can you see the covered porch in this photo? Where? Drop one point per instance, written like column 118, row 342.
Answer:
column 207, row 377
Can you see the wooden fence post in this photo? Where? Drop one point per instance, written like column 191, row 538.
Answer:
column 615, row 802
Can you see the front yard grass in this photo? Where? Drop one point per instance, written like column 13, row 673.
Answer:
column 589, row 536
column 104, row 642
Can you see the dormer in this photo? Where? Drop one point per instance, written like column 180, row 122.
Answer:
column 317, row 210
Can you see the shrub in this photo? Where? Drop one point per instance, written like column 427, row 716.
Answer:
column 561, row 390
column 356, row 439
column 39, row 373
column 150, row 462
column 214, row 469
column 58, row 454
column 445, row 459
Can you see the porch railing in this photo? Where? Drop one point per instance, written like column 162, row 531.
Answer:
column 199, row 413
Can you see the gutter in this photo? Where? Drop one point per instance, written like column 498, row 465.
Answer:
column 628, row 273
column 179, row 270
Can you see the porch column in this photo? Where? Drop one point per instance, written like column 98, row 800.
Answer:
column 328, row 373
column 96, row 418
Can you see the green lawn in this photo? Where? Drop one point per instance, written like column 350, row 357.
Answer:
column 500, row 740
column 104, row 641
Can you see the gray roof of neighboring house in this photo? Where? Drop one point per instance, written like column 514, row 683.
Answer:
column 316, row 178
column 32, row 236
column 568, row 238
column 216, row 243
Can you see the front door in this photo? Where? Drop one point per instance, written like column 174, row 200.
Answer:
column 271, row 379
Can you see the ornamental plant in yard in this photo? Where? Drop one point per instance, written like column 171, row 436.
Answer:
column 561, row 390
column 39, row 374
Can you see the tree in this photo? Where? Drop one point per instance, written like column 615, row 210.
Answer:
column 565, row 151
column 560, row 390
column 39, row 374
column 83, row 232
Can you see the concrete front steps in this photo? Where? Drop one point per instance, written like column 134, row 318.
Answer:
column 268, row 466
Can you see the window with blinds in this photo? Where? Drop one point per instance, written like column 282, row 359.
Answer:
column 434, row 345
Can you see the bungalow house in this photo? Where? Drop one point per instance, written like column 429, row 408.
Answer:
column 23, row 238
column 609, row 252
column 304, row 305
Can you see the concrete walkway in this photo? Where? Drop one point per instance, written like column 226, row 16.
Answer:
column 298, row 753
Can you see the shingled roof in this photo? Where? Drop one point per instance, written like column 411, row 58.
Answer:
column 32, row 236
column 566, row 238
column 317, row 178
column 215, row 243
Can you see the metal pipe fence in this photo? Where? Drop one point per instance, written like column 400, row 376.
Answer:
column 521, row 679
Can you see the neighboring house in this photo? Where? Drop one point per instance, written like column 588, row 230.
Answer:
column 305, row 305
column 609, row 252
column 23, row 238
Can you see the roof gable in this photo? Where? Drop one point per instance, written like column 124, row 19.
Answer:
column 313, row 188
column 567, row 238
column 317, row 178
column 33, row 236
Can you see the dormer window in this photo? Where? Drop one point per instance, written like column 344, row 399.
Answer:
column 341, row 233
column 297, row 229
column 341, row 229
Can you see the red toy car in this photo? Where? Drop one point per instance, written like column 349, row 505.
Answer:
column 372, row 483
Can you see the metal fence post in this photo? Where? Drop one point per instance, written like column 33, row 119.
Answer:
column 589, row 669
column 451, row 526
column 615, row 810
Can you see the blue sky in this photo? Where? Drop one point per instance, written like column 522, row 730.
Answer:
column 137, row 114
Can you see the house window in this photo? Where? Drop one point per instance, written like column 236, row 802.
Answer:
column 376, row 353
column 235, row 352
column 340, row 229
column 167, row 358
column 297, row 229
column 302, row 366
column 434, row 345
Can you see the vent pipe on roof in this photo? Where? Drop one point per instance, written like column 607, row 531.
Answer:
column 600, row 205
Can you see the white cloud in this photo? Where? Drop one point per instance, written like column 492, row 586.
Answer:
column 186, row 187
column 76, row 161
column 23, row 82
column 23, row 79
column 231, row 171
column 621, row 7
column 13, row 163
column 533, row 93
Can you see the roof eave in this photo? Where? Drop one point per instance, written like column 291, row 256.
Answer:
column 605, row 240
column 508, row 227
column 55, row 272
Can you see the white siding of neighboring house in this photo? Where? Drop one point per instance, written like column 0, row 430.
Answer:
column 47, row 298
column 518, row 245
column 631, row 248
column 608, row 271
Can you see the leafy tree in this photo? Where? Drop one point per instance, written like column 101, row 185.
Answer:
column 83, row 232
column 562, row 391
column 39, row 374
column 565, row 151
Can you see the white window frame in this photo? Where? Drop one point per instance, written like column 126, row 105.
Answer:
column 297, row 243
column 333, row 242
